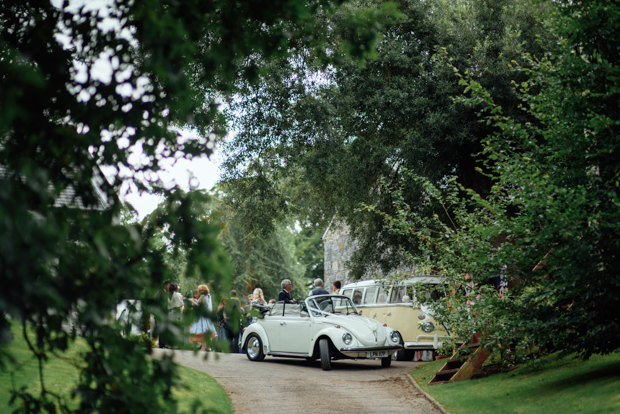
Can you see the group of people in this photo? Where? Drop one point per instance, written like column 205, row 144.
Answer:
column 319, row 290
column 171, row 298
column 286, row 297
column 232, row 317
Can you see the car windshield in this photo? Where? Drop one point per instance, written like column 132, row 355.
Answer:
column 331, row 305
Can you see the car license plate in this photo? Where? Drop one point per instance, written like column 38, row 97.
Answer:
column 376, row 354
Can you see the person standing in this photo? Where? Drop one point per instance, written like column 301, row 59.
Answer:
column 318, row 288
column 223, row 333
column 247, row 310
column 258, row 296
column 175, row 301
column 336, row 287
column 285, row 293
column 202, row 325
column 161, row 301
column 237, row 321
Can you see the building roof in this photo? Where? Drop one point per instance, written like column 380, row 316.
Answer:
column 68, row 198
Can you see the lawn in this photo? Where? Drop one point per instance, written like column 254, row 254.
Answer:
column 61, row 374
column 567, row 385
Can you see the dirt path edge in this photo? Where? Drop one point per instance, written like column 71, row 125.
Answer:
column 427, row 395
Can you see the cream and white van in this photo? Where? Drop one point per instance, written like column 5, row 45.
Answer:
column 395, row 306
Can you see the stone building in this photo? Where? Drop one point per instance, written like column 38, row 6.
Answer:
column 339, row 247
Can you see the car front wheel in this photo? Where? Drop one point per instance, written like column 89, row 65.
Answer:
column 254, row 348
column 326, row 362
column 386, row 362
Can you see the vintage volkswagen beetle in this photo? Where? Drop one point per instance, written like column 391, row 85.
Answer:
column 323, row 326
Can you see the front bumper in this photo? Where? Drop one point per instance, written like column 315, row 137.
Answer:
column 361, row 352
column 426, row 342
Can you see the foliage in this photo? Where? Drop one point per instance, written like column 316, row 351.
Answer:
column 549, row 224
column 310, row 252
column 259, row 261
column 323, row 144
column 173, row 257
column 61, row 372
column 143, row 340
column 446, row 349
column 88, row 89
column 563, row 239
column 561, row 385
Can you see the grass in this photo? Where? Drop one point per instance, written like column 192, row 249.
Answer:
column 567, row 385
column 61, row 374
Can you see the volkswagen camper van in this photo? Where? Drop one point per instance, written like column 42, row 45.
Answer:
column 395, row 305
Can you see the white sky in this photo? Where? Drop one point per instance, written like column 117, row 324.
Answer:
column 205, row 170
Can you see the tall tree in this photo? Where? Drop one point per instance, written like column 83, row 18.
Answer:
column 310, row 252
column 84, row 88
column 560, row 177
column 549, row 225
column 258, row 261
column 334, row 134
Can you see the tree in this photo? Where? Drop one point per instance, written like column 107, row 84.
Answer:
column 560, row 175
column 258, row 261
column 86, row 89
column 549, row 224
column 310, row 252
column 321, row 146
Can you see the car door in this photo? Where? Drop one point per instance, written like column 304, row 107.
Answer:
column 294, row 329
column 271, row 324
column 295, row 334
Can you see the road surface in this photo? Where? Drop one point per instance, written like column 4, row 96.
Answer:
column 296, row 386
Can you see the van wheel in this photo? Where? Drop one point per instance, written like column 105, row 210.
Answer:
column 254, row 348
column 386, row 362
column 404, row 355
column 326, row 362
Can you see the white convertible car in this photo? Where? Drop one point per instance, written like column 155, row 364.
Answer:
column 323, row 326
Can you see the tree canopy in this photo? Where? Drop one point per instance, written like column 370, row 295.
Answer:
column 548, row 226
column 316, row 142
column 259, row 261
column 92, row 97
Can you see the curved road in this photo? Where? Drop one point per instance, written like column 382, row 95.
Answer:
column 296, row 386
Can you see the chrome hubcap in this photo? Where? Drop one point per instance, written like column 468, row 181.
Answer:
column 253, row 348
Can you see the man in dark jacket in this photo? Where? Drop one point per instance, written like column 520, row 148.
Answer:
column 235, row 319
column 285, row 293
column 318, row 288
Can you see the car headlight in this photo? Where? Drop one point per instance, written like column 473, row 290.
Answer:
column 395, row 337
column 421, row 316
column 347, row 338
column 427, row 326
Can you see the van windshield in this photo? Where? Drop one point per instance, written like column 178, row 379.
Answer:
column 430, row 293
column 401, row 294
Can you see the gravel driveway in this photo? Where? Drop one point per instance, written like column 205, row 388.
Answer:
column 296, row 386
